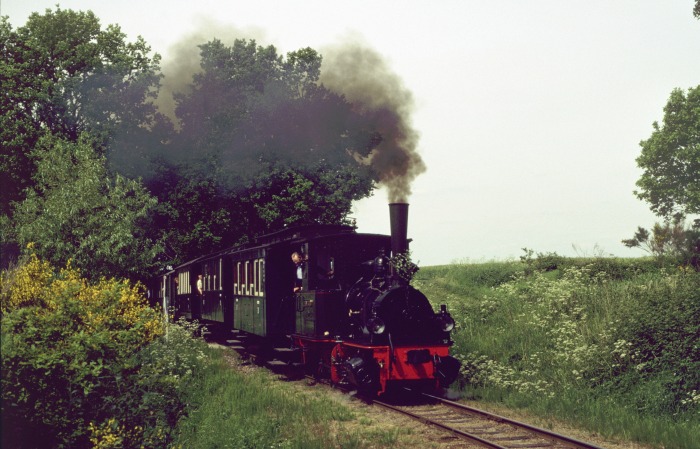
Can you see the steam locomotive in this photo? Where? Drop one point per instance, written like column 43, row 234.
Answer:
column 353, row 320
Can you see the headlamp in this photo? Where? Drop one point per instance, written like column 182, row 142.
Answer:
column 446, row 322
column 376, row 325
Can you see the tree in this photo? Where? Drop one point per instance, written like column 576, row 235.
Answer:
column 76, row 211
column 262, row 145
column 669, row 240
column 62, row 74
column 251, row 110
column 696, row 10
column 289, row 197
column 670, row 158
column 193, row 216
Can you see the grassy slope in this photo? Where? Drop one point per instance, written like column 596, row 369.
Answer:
column 235, row 405
column 608, row 344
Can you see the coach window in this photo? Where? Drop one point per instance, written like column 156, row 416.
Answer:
column 253, row 277
column 241, row 276
column 259, row 265
column 244, row 278
column 256, row 277
column 208, row 277
column 262, row 277
column 250, row 276
column 184, row 284
column 237, row 279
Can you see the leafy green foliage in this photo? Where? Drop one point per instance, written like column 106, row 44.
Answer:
column 288, row 197
column 542, row 261
column 671, row 240
column 262, row 146
column 403, row 267
column 67, row 354
column 194, row 217
column 670, row 158
column 62, row 74
column 661, row 337
column 77, row 212
column 616, row 335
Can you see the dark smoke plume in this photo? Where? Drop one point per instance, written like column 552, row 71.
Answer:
column 353, row 70
column 363, row 77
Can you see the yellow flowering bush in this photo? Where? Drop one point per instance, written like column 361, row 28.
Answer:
column 107, row 435
column 24, row 285
column 69, row 355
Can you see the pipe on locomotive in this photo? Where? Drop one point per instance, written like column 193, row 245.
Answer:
column 398, row 218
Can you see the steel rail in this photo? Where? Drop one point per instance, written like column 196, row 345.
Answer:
column 458, row 432
column 503, row 419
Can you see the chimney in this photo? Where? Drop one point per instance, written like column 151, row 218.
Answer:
column 398, row 216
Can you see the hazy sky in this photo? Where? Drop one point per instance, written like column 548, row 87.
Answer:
column 530, row 112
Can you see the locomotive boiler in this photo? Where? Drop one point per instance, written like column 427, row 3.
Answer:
column 350, row 317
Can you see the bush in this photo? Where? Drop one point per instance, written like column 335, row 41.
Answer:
column 68, row 358
column 605, row 342
column 620, row 269
column 662, row 330
column 543, row 262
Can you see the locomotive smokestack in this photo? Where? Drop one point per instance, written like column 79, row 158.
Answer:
column 398, row 216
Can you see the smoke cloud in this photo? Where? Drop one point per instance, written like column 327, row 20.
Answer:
column 361, row 74
column 351, row 69
column 183, row 58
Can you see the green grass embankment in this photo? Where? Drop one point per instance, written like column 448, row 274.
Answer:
column 237, row 407
column 608, row 344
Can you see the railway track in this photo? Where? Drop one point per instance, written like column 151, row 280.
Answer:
column 484, row 428
column 463, row 422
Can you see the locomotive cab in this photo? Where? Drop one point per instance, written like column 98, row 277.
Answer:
column 331, row 266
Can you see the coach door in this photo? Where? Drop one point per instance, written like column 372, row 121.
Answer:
column 212, row 298
column 250, row 311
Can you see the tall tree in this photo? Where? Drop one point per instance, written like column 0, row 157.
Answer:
column 269, row 145
column 76, row 211
column 670, row 158
column 62, row 74
column 193, row 215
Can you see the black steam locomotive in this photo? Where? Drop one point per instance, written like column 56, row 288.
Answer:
column 347, row 317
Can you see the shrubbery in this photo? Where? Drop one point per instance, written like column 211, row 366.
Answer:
column 620, row 336
column 661, row 335
column 86, row 365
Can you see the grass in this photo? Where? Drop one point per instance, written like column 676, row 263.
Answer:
column 250, row 408
column 608, row 344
